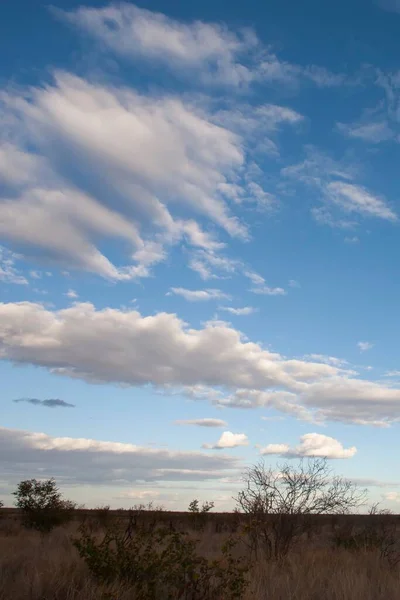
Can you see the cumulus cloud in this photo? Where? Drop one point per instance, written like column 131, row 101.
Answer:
column 214, row 363
column 87, row 461
column 71, row 294
column 199, row 295
column 50, row 402
column 81, row 341
column 202, row 422
column 229, row 440
column 312, row 444
column 364, row 346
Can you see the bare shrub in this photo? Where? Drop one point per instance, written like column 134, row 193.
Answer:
column 280, row 505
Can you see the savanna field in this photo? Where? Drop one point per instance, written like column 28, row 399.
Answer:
column 36, row 567
column 279, row 543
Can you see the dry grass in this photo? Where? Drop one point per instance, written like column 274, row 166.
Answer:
column 35, row 567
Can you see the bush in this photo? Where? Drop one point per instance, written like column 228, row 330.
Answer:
column 280, row 504
column 42, row 505
column 198, row 514
column 161, row 563
column 379, row 533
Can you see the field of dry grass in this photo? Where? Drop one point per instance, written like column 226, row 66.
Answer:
column 36, row 567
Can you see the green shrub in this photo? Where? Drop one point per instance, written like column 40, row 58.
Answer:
column 42, row 505
column 198, row 514
column 158, row 562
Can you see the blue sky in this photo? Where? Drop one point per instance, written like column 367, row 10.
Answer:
column 199, row 225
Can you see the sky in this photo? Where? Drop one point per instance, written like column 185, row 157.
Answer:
column 199, row 241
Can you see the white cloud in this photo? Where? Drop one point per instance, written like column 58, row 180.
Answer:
column 392, row 374
column 209, row 53
column 8, row 272
column 332, row 181
column 35, row 274
column 261, row 287
column 199, row 295
column 323, row 216
column 374, row 132
column 363, row 346
column 329, row 360
column 202, row 422
column 392, row 496
column 294, row 283
column 210, row 49
column 312, row 444
column 229, row 440
column 268, row 291
column 255, row 277
column 246, row 310
column 87, row 461
column 147, row 495
column 155, row 153
column 71, row 294
column 214, row 363
column 354, row 198
column 210, row 265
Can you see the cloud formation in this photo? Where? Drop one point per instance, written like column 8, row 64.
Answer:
column 213, row 363
column 50, row 402
column 202, row 422
column 245, row 310
column 312, row 444
column 209, row 53
column 87, row 461
column 199, row 295
column 229, row 440
column 364, row 346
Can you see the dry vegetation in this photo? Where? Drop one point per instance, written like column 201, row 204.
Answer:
column 37, row 567
column 279, row 547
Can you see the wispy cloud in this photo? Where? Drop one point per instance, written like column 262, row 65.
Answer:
column 71, row 294
column 49, row 403
column 265, row 290
column 374, row 132
column 356, row 199
column 8, row 271
column 246, row 310
column 216, row 54
column 364, row 346
column 199, row 295
column 202, row 422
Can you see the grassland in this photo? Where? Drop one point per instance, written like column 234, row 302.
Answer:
column 48, row 567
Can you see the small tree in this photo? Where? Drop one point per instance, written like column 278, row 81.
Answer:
column 280, row 504
column 199, row 514
column 42, row 504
